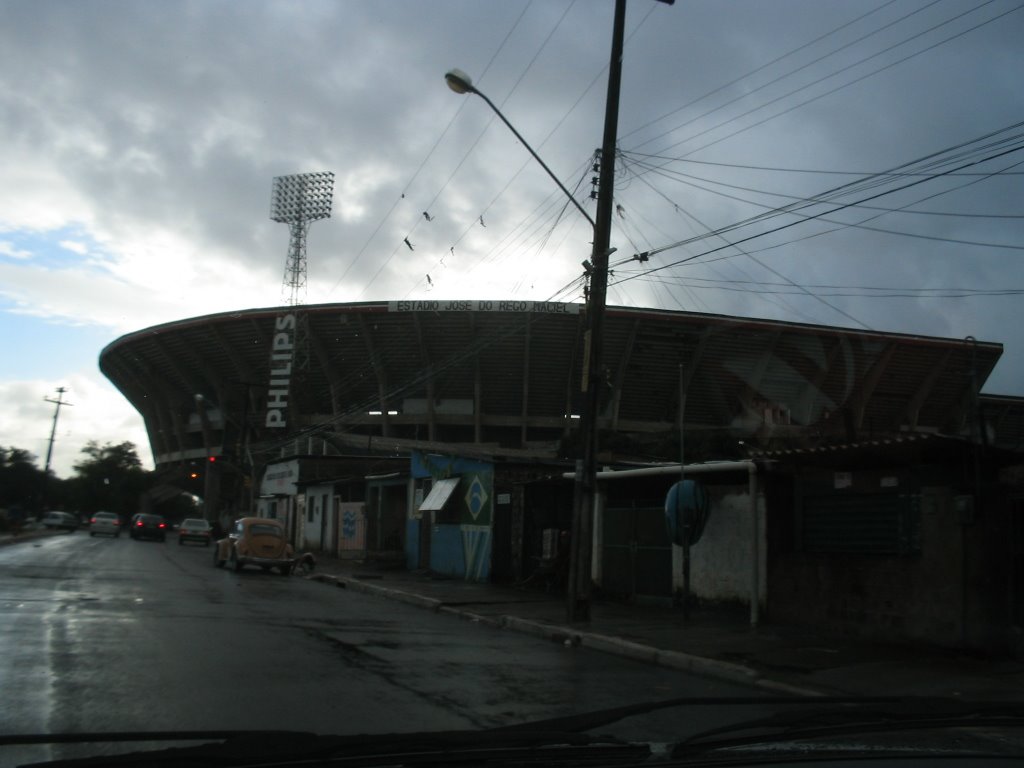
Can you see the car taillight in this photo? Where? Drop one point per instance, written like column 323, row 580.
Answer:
column 92, row 520
column 138, row 523
column 162, row 525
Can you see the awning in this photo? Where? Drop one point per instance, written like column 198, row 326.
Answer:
column 439, row 494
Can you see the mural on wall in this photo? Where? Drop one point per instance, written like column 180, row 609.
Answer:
column 461, row 538
column 352, row 541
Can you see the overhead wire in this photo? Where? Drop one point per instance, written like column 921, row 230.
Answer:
column 838, row 88
column 792, row 72
column 753, row 72
column 569, row 111
column 764, row 266
column 803, row 219
column 860, row 291
column 976, row 176
column 861, row 224
column 540, row 49
column 423, row 163
column 933, row 161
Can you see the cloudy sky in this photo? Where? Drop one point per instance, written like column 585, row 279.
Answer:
column 854, row 164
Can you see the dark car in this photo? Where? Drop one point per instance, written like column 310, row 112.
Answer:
column 146, row 526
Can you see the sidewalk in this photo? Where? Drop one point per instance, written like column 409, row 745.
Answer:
column 28, row 533
column 714, row 642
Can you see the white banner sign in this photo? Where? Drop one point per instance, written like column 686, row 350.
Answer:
column 466, row 305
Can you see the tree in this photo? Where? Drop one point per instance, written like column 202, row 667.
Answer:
column 110, row 478
column 22, row 483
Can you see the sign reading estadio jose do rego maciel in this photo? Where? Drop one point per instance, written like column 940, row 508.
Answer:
column 472, row 305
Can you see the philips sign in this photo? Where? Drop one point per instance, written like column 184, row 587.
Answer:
column 282, row 355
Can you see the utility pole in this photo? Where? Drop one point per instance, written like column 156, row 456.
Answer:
column 581, row 541
column 585, row 488
column 53, row 430
column 53, row 436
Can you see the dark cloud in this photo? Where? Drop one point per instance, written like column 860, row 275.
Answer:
column 176, row 115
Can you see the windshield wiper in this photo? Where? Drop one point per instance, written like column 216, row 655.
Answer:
column 854, row 717
column 272, row 748
column 555, row 739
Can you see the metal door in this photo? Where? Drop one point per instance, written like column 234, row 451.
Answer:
column 636, row 559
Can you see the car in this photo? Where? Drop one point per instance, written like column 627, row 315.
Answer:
column 256, row 541
column 107, row 523
column 64, row 520
column 147, row 526
column 194, row 529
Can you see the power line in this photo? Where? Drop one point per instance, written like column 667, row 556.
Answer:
column 750, row 74
column 838, row 207
column 837, row 88
column 661, row 170
column 935, row 160
column 860, row 291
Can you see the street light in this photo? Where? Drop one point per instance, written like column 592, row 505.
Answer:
column 585, row 492
column 461, row 83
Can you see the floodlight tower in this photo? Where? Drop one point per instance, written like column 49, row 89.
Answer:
column 299, row 200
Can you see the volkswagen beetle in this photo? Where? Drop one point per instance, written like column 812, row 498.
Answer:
column 255, row 541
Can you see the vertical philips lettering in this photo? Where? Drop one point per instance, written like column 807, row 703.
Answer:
column 282, row 354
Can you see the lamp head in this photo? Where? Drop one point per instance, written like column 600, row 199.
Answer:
column 459, row 81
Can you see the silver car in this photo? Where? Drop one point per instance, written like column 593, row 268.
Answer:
column 64, row 520
column 106, row 523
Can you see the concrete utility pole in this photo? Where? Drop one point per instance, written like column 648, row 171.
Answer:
column 581, row 542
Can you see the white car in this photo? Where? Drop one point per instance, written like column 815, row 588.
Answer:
column 194, row 529
column 105, row 522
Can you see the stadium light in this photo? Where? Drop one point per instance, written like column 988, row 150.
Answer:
column 302, row 197
column 299, row 200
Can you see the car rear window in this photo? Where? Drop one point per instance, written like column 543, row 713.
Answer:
column 262, row 529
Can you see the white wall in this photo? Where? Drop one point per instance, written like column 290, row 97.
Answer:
column 720, row 563
column 318, row 503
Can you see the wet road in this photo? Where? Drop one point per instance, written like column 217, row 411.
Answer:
column 103, row 634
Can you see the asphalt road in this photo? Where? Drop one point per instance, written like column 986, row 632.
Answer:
column 103, row 634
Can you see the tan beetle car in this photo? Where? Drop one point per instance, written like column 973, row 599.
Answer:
column 255, row 541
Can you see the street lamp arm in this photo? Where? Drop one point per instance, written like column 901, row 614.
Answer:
column 460, row 83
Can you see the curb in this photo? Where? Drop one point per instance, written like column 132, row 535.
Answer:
column 686, row 662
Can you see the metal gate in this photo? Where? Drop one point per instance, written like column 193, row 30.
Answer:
column 636, row 558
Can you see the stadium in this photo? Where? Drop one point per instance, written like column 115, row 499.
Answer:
column 504, row 377
column 443, row 435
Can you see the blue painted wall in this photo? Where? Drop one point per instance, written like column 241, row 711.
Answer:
column 446, row 555
column 460, row 549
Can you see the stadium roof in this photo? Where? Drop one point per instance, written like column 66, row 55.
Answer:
column 507, row 375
